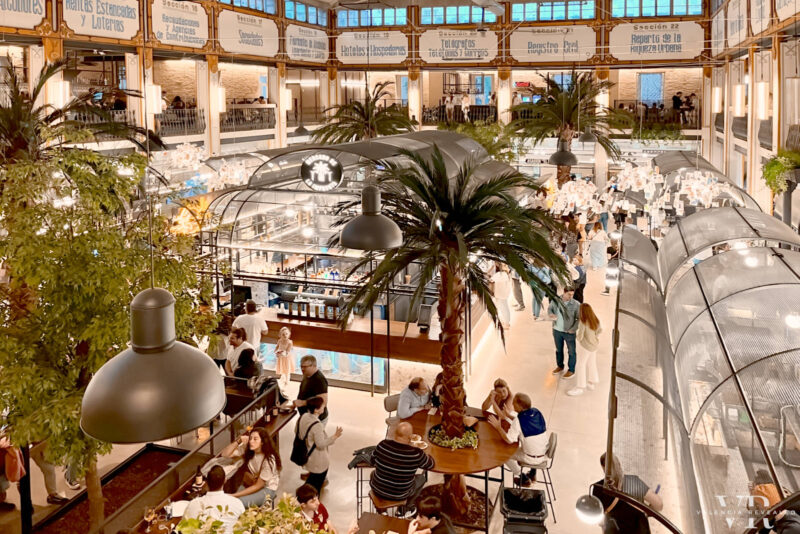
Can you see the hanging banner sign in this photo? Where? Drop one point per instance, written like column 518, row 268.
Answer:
column 25, row 14
column 786, row 8
column 306, row 44
column 448, row 46
column 737, row 31
column 718, row 34
column 657, row 41
column 553, row 43
column 759, row 16
column 321, row 172
column 102, row 18
column 248, row 34
column 180, row 23
column 361, row 48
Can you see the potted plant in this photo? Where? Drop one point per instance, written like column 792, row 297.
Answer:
column 782, row 169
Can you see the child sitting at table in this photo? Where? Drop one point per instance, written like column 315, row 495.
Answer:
column 430, row 519
column 312, row 508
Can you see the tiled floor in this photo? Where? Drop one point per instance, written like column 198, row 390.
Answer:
column 525, row 363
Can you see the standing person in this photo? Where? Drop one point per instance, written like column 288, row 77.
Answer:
column 216, row 504
column 598, row 243
column 465, row 106
column 317, row 442
column 528, row 429
column 254, row 325
column 449, row 107
column 612, row 271
column 430, row 518
column 311, row 507
column 588, row 337
column 580, row 281
column 545, row 277
column 238, row 343
column 259, row 475
column 502, row 290
column 219, row 344
column 48, row 472
column 314, row 384
column 565, row 325
column 500, row 400
column 284, row 356
column 516, row 282
column 516, row 100
column 677, row 103
column 396, row 462
column 602, row 216
column 416, row 397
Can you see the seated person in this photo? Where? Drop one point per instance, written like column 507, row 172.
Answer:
column 248, row 367
column 216, row 504
column 528, row 429
column 238, row 343
column 414, row 398
column 436, row 390
column 258, row 477
column 499, row 401
column 312, row 508
column 430, row 519
column 626, row 517
column 396, row 462
column 764, row 491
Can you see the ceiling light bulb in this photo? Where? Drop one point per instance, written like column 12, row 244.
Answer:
column 792, row 320
column 751, row 261
column 290, row 212
column 308, row 231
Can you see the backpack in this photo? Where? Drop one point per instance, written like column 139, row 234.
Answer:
column 300, row 450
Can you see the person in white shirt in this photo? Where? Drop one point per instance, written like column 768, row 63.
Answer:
column 465, row 106
column 414, row 398
column 516, row 100
column 449, row 106
column 502, row 290
column 528, row 429
column 254, row 325
column 238, row 342
column 216, row 504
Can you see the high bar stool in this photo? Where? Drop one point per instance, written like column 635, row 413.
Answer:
column 382, row 506
column 544, row 467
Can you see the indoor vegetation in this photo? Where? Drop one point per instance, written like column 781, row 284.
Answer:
column 782, row 169
column 491, row 135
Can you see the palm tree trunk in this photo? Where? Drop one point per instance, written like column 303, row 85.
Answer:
column 562, row 174
column 452, row 302
column 95, row 493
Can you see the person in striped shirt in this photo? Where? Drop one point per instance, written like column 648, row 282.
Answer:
column 396, row 463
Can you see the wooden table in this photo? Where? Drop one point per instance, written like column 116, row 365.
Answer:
column 382, row 524
column 492, row 452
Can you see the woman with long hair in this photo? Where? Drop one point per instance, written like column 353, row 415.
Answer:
column 259, row 474
column 499, row 400
column 598, row 243
column 588, row 338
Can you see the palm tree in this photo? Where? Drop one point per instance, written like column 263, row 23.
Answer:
column 447, row 225
column 491, row 135
column 359, row 121
column 562, row 110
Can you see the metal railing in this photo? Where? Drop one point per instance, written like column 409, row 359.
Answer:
column 122, row 116
column 247, row 117
column 436, row 114
column 295, row 117
column 180, row 122
column 653, row 112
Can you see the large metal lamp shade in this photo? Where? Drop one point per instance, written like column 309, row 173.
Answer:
column 371, row 230
column 563, row 157
column 588, row 136
column 589, row 509
column 158, row 387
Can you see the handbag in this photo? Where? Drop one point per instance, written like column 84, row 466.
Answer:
column 300, row 450
column 14, row 468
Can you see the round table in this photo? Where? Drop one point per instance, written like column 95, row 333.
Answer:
column 492, row 452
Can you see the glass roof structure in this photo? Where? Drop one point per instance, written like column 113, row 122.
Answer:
column 704, row 385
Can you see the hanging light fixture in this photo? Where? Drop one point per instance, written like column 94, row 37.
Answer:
column 301, row 130
column 158, row 387
column 371, row 230
column 588, row 136
column 589, row 509
column 739, row 91
column 563, row 157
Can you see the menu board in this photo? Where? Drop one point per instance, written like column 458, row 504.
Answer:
column 453, row 46
column 657, row 41
column 553, row 43
column 180, row 23
column 786, row 8
column 247, row 34
column 737, row 31
column 25, row 14
column 360, row 48
column 103, row 18
column 306, row 44
column 718, row 34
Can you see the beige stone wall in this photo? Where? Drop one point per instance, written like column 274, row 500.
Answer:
column 240, row 81
column 686, row 80
column 176, row 77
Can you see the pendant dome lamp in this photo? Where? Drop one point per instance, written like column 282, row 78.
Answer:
column 588, row 136
column 371, row 230
column 589, row 509
column 562, row 157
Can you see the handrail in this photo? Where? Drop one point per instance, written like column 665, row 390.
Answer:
column 642, row 507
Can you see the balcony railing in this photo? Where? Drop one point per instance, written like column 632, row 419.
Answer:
column 435, row 115
column 247, row 117
column 122, row 116
column 180, row 122
column 653, row 112
column 295, row 117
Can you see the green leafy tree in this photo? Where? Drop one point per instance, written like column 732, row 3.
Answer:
column 74, row 255
column 447, row 224
column 779, row 168
column 359, row 121
column 491, row 135
column 559, row 112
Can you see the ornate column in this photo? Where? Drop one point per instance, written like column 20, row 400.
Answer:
column 504, row 94
column 415, row 93
column 600, row 156
column 706, row 122
column 277, row 93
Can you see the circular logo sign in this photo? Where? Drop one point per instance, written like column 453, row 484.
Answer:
column 321, row 172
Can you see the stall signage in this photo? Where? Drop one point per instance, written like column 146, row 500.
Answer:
column 21, row 13
column 102, row 18
column 371, row 47
column 180, row 23
column 306, row 44
column 759, row 16
column 247, row 34
column 718, row 34
column 786, row 8
column 553, row 43
column 443, row 46
column 321, row 172
column 657, row 41
column 736, row 28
